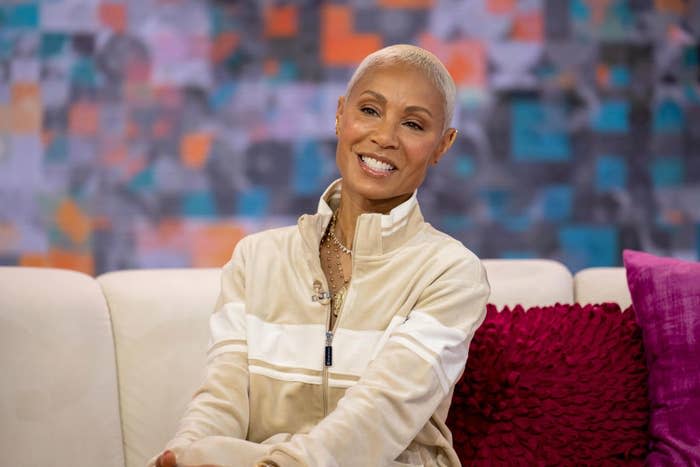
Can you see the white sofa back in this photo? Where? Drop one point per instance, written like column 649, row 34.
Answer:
column 61, row 359
column 59, row 403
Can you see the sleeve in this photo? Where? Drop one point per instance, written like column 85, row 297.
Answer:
column 220, row 406
column 402, row 388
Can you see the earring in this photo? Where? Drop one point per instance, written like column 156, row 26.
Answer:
column 336, row 126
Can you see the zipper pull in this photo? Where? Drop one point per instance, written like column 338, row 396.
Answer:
column 329, row 349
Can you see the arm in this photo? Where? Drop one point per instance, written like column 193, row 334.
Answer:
column 383, row 412
column 220, row 406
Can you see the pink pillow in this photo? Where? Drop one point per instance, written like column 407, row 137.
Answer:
column 666, row 298
column 557, row 385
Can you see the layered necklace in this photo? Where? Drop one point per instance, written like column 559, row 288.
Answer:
column 331, row 250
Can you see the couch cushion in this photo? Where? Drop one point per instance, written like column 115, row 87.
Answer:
column 666, row 297
column 560, row 385
column 528, row 282
column 161, row 320
column 599, row 285
column 58, row 397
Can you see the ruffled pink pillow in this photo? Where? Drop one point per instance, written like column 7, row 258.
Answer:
column 557, row 385
column 666, row 297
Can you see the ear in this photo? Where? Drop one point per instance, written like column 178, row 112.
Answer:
column 339, row 113
column 340, row 108
column 446, row 142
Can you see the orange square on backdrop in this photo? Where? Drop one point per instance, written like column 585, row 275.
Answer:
column 671, row 6
column 271, row 67
column 113, row 15
column 212, row 245
column 64, row 259
column 528, row 27
column 350, row 50
column 465, row 59
column 340, row 45
column 499, row 7
column 281, row 21
column 26, row 108
column 73, row 222
column 194, row 149
column 336, row 21
column 223, row 46
column 84, row 118
column 35, row 260
column 9, row 236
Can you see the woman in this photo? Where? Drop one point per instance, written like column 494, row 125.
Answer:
column 337, row 342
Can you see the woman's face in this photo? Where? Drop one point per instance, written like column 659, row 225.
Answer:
column 390, row 129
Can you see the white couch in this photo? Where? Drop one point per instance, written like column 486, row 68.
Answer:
column 97, row 372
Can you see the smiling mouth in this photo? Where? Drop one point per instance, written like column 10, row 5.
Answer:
column 376, row 165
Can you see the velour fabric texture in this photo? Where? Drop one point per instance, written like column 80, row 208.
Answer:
column 666, row 297
column 555, row 385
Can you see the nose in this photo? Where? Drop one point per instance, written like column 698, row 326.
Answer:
column 384, row 135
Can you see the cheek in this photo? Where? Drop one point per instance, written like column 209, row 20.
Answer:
column 421, row 154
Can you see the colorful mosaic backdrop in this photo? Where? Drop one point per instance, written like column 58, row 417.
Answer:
column 156, row 133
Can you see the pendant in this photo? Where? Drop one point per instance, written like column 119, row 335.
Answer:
column 338, row 300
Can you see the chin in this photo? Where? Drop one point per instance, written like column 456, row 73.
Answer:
column 374, row 190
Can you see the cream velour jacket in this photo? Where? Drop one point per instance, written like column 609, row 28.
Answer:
column 399, row 345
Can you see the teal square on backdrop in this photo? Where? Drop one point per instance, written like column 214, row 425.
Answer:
column 464, row 166
column 308, row 168
column 538, row 131
column 557, row 201
column 143, row 181
column 52, row 44
column 586, row 246
column 610, row 173
column 23, row 15
column 254, row 202
column 199, row 204
column 620, row 76
column 666, row 172
column 612, row 117
column 668, row 116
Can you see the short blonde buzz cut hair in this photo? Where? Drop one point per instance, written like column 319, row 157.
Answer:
column 405, row 54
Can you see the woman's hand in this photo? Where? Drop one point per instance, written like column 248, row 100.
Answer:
column 167, row 459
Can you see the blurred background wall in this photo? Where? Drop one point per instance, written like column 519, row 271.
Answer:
column 156, row 133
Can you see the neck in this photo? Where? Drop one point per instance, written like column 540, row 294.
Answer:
column 352, row 206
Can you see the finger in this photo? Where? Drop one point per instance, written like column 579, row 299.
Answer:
column 167, row 459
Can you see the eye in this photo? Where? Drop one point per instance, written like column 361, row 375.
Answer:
column 369, row 111
column 414, row 125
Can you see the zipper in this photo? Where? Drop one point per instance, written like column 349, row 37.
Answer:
column 324, row 298
column 328, row 350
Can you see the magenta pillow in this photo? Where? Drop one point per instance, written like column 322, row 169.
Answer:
column 557, row 385
column 666, row 298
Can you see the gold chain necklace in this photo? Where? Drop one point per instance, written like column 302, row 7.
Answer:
column 336, row 276
column 331, row 232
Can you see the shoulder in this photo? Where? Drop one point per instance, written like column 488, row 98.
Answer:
column 270, row 236
column 269, row 241
column 453, row 257
column 448, row 248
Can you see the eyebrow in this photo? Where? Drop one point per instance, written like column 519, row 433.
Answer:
column 410, row 108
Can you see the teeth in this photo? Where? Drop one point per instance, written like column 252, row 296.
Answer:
column 377, row 165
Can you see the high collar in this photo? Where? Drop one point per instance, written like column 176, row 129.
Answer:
column 375, row 233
